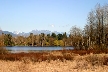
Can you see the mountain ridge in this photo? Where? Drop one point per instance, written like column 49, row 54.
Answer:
column 35, row 32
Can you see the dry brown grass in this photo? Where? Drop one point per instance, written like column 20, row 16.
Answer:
column 85, row 63
column 56, row 61
column 54, row 55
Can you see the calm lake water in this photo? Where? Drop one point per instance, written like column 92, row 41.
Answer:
column 17, row 49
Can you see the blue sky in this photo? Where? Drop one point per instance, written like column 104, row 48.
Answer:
column 53, row 15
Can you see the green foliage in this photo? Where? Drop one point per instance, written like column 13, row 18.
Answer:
column 56, row 43
column 60, row 36
column 48, row 35
column 47, row 44
column 8, row 40
column 53, row 35
column 61, row 43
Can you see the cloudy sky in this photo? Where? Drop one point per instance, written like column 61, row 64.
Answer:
column 53, row 15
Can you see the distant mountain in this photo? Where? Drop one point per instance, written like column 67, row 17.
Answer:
column 40, row 31
column 7, row 32
column 35, row 32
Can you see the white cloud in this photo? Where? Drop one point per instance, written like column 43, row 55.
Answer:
column 52, row 25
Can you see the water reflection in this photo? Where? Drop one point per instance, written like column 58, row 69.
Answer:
column 18, row 49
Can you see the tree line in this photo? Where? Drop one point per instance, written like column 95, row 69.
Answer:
column 36, row 40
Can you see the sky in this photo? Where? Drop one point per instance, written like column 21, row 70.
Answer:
column 53, row 15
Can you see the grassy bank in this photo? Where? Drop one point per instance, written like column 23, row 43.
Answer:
column 55, row 61
column 53, row 55
column 78, row 63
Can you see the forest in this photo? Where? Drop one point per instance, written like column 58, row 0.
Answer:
column 93, row 36
column 35, row 40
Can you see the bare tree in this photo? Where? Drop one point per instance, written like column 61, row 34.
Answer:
column 76, row 37
column 97, row 24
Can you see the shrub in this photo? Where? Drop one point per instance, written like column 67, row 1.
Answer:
column 3, row 50
column 96, row 59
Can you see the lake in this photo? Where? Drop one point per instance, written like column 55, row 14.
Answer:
column 17, row 49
